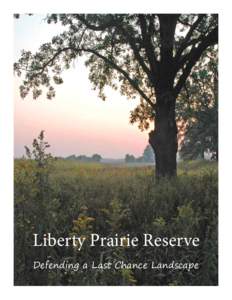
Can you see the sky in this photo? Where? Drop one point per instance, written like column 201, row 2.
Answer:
column 76, row 121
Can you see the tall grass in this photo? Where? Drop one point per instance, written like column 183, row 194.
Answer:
column 107, row 199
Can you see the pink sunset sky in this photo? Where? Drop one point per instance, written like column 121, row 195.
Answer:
column 76, row 121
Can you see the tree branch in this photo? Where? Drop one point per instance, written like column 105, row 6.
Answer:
column 167, row 31
column 108, row 61
column 185, row 42
column 194, row 55
column 135, row 50
column 149, row 48
column 101, row 27
column 49, row 62
column 113, row 22
column 120, row 70
column 167, row 64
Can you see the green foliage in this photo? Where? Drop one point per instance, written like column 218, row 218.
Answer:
column 34, row 207
column 123, row 51
column 94, row 158
column 129, row 158
column 148, row 154
column 198, row 108
column 85, row 198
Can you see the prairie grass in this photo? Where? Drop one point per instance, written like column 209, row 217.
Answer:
column 81, row 198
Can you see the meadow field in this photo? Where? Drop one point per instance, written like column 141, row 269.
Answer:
column 67, row 197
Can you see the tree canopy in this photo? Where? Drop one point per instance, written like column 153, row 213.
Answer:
column 197, row 107
column 124, row 51
column 146, row 56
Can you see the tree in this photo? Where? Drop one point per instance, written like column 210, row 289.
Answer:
column 71, row 157
column 198, row 109
column 146, row 56
column 139, row 159
column 129, row 158
column 148, row 154
column 96, row 157
column 201, row 135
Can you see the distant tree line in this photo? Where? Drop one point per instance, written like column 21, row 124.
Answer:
column 94, row 158
column 147, row 157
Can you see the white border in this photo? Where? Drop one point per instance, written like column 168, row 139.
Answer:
column 6, row 148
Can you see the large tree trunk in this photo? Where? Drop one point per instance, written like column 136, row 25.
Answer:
column 164, row 137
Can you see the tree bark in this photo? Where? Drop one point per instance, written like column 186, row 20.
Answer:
column 163, row 138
